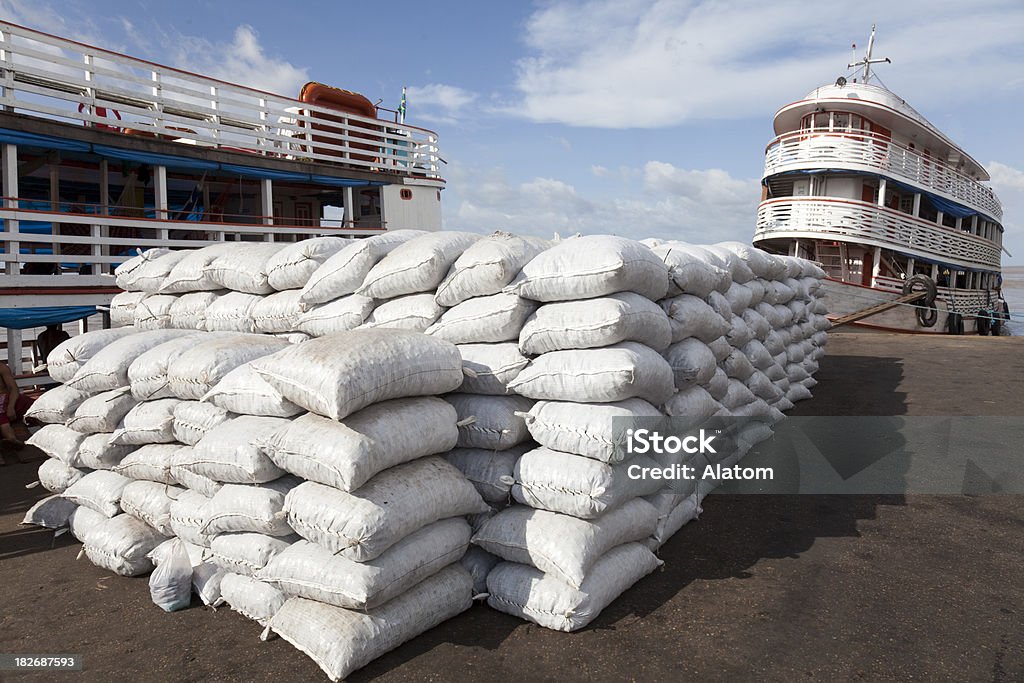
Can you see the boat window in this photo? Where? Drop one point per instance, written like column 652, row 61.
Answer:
column 841, row 121
column 821, row 120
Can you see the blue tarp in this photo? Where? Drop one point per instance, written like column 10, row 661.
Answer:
column 15, row 137
column 24, row 318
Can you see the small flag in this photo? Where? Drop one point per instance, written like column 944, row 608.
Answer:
column 401, row 108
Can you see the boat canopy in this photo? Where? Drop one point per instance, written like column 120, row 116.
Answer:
column 42, row 316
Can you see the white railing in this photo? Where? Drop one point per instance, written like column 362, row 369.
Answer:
column 810, row 149
column 963, row 300
column 54, row 78
column 856, row 221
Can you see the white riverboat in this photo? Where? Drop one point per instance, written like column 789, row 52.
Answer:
column 898, row 214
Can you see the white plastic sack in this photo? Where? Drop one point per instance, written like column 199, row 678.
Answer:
column 243, row 268
column 153, row 312
column 108, row 367
column 244, row 391
column 561, row 545
column 692, row 317
column 56, row 406
column 337, row 375
column 51, row 512
column 57, row 441
column 586, row 429
column 189, row 275
column 181, row 463
column 578, row 486
column 122, row 308
column 613, row 373
column 187, row 517
column 415, row 312
column 689, row 271
column 490, row 422
column 170, row 584
column 292, row 266
column 103, row 412
column 256, row 509
column 593, row 323
column 344, row 272
column 199, row 369
column 479, row 563
column 193, row 419
column 341, row 641
column 692, row 407
column 56, row 476
column 206, row 576
column 487, row 266
column 490, row 472
column 278, row 312
column 494, row 318
column 691, row 361
column 232, row 312
column 151, row 462
column 345, row 454
column 229, row 454
column 126, row 273
column 149, row 272
column 151, row 502
column 345, row 313
column 122, row 545
column 488, row 368
column 148, row 373
column 84, row 522
column 593, row 266
column 362, row 524
column 418, row 265
column 69, row 356
column 96, row 452
column 251, row 597
column 188, row 312
column 307, row 570
column 148, row 422
column 527, row 593
column 100, row 491
column 246, row 553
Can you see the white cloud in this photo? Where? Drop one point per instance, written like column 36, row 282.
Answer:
column 654, row 63
column 1008, row 183
column 443, row 103
column 600, row 171
column 670, row 202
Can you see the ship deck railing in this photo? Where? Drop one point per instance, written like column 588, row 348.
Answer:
column 54, row 78
column 873, row 153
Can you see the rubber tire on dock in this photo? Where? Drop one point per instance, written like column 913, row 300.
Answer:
column 984, row 322
column 927, row 314
column 955, row 323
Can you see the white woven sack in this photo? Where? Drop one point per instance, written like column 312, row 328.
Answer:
column 491, row 422
column 150, row 273
column 56, row 476
column 692, row 317
column 577, row 486
column 244, row 391
column 189, row 275
column 494, row 318
column 229, row 454
column 527, row 593
column 99, row 491
column 487, row 266
column 193, row 419
column 122, row 308
column 292, row 266
column 689, row 272
column 125, row 274
column 56, row 406
column 345, row 454
column 187, row 517
column 561, row 545
column 490, row 472
column 180, row 470
column 251, row 598
column 488, row 368
column 715, row 387
column 739, row 297
column 151, row 462
column 414, row 312
column 362, row 524
column 57, row 441
column 278, row 312
column 96, row 452
column 614, row 373
column 199, row 369
column 739, row 332
column 737, row 365
column 153, row 312
column 763, row 264
column 188, row 312
column 103, row 412
column 418, row 265
column 206, row 576
column 344, row 272
column 232, row 312
column 687, row 510
column 691, row 361
column 51, row 512
column 692, row 407
column 151, row 502
column 147, row 422
column 69, row 356
column 737, row 395
column 122, row 545
column 593, row 323
column 344, row 313
column 246, row 553
column 586, row 429
column 737, row 267
column 337, row 375
column 108, row 367
column 258, row 509
column 341, row 641
column 243, row 268
column 148, row 373
column 592, row 266
column 84, row 522
column 479, row 563
column 721, row 348
column 309, row 571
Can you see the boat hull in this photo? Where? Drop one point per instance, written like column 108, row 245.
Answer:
column 844, row 298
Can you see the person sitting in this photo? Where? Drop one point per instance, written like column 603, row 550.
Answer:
column 13, row 406
column 49, row 339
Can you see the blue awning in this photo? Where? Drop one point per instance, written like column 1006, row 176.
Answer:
column 24, row 318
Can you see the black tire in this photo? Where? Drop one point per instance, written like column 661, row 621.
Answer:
column 954, row 323
column 926, row 284
column 927, row 315
column 997, row 327
column 984, row 322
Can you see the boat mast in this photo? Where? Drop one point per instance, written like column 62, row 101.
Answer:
column 868, row 61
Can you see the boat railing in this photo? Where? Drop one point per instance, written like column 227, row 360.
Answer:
column 822, row 148
column 868, row 223
column 54, row 78
column 968, row 301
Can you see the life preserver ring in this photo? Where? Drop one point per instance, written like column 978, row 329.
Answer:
column 101, row 111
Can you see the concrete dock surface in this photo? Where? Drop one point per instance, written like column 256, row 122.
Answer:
column 760, row 587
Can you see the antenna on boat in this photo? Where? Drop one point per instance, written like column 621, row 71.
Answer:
column 868, row 61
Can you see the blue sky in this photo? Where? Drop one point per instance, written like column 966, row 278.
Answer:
column 640, row 117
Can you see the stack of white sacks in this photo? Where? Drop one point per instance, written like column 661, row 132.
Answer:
column 249, row 416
